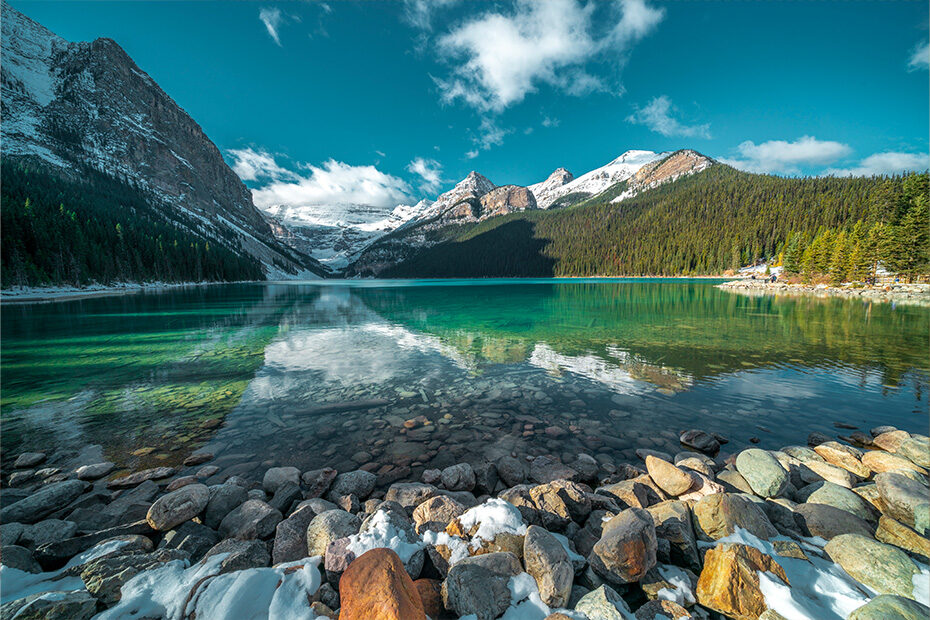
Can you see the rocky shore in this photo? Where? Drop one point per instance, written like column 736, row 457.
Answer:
column 912, row 294
column 834, row 529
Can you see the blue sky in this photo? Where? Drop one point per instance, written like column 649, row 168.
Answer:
column 387, row 102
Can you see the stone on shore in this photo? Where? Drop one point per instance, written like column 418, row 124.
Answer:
column 178, row 506
column 668, row 477
column 473, row 588
column 27, row 460
column 376, row 587
column 662, row 610
column 95, row 471
column 20, row 558
column 223, row 499
column 627, row 548
column 906, row 500
column 891, row 607
column 890, row 440
column 897, row 534
column 827, row 522
column 460, row 477
column 276, row 477
column 717, row 516
column 700, row 441
column 318, row 481
column 290, row 537
column 762, row 471
column 240, row 554
column 77, row 605
column 436, row 513
column 843, row 456
column 729, row 582
column 44, row 502
column 327, row 527
column 883, row 568
column 252, row 519
column 839, row 497
column 878, row 462
column 547, row 561
column 672, row 520
column 916, row 449
column 359, row 483
column 603, row 603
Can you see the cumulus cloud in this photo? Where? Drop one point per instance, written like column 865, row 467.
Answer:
column 500, row 56
column 889, row 162
column 657, row 116
column 429, row 170
column 332, row 183
column 272, row 19
column 920, row 57
column 782, row 156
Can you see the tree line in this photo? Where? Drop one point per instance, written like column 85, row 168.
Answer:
column 102, row 230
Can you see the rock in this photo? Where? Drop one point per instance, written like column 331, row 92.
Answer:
column 839, row 497
column 672, row 520
column 276, row 477
column 627, row 548
column 198, row 458
column 359, row 483
column 828, row 522
column 559, row 503
column 19, row 558
column 77, row 605
column 318, row 481
column 817, row 438
column 511, row 471
column 916, row 449
column 257, row 494
column 780, row 512
column 700, row 441
column 156, row 473
column 547, row 561
column 47, row 532
column 891, row 607
column 431, row 476
column 662, row 610
column 471, row 588
column 318, row 505
column 193, row 538
column 252, row 519
column 815, row 471
column 460, row 477
column 762, row 471
column 105, row 577
column 28, row 460
column 846, row 457
column 669, row 478
column 223, row 499
column 327, row 527
column 603, row 603
column 95, row 471
column 630, row 493
column 735, row 480
column 290, row 539
column 410, row 494
column 284, row 497
column 178, row 506
column 10, row 533
column 44, row 502
column 53, row 555
column 802, row 454
column 729, row 582
column 586, row 466
column 701, row 486
column 435, row 514
column 878, row 430
column 241, row 554
column 906, row 500
column 430, row 591
column 177, row 483
column 891, row 440
column 878, row 462
column 897, row 534
column 717, row 516
column 883, row 568
column 642, row 453
column 545, row 469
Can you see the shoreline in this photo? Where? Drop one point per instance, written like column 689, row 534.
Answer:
column 51, row 294
column 909, row 294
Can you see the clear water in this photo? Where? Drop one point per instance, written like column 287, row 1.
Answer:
column 326, row 374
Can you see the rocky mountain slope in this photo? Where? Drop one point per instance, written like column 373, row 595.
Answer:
column 71, row 106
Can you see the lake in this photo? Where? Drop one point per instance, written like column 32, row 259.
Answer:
column 399, row 376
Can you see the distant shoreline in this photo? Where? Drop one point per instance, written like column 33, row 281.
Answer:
column 911, row 294
column 49, row 294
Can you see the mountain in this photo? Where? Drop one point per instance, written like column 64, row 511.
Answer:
column 72, row 107
column 550, row 195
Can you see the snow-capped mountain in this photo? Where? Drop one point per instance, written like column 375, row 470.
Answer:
column 70, row 106
column 590, row 183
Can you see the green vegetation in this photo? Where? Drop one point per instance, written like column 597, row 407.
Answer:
column 104, row 230
column 703, row 224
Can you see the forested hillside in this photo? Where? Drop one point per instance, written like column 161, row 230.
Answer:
column 56, row 231
column 706, row 223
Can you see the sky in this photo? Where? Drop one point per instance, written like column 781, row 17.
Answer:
column 385, row 103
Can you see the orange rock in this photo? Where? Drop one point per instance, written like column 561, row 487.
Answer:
column 430, row 591
column 729, row 582
column 376, row 587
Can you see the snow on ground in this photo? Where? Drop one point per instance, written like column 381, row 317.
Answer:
column 382, row 533
column 56, row 293
column 493, row 517
column 760, row 270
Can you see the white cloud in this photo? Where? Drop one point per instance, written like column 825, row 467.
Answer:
column 550, row 122
column 502, row 56
column 657, row 116
column 490, row 133
column 429, row 170
column 889, row 162
column 419, row 13
column 471, row 154
column 781, row 156
column 333, row 183
column 272, row 19
column 920, row 58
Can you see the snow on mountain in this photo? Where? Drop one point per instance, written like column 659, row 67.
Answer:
column 597, row 180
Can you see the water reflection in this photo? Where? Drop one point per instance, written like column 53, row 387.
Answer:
column 328, row 374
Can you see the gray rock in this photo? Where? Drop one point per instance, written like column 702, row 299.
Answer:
column 511, row 471
column 318, row 481
column 224, row 499
column 318, row 505
column 881, row 430
column 883, row 568
column 278, row 476
column 359, row 483
column 473, row 589
column 95, row 471
column 10, row 533
column 839, row 497
column 891, row 607
column 193, row 538
column 627, row 548
column 253, row 519
column 735, row 480
column 672, row 520
column 27, row 460
column 829, row 522
column 327, row 527
column 105, row 577
column 48, row 531
column 19, row 558
column 460, row 477
column 53, row 555
column 545, row 469
column 604, row 603
column 762, row 471
column 290, row 538
column 486, row 479
column 700, row 441
column 22, row 478
column 257, row 494
column 47, row 500
column 410, row 494
column 547, row 561
column 436, row 513
column 916, row 449
column 179, row 506
column 906, row 500
column 156, row 473
column 242, row 554
column 77, row 605
column 284, row 497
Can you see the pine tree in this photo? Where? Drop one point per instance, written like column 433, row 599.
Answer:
column 792, row 259
column 839, row 262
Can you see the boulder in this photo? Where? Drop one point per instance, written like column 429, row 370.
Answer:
column 545, row 469
column 762, row 471
column 460, row 477
column 891, row 607
column 240, row 554
column 839, row 497
column 285, row 496
column 627, row 548
column 472, row 588
column 670, row 478
column 28, row 459
column 252, row 519
column 77, row 605
column 890, row 440
column 560, row 502
column 430, row 591
column 47, row 531
column 94, row 471
column 318, row 481
column 843, row 456
column 630, row 493
column 735, row 480
column 436, row 513
column 729, row 582
column 511, row 471
column 327, row 527
column 277, row 477
column 827, row 522
column 547, row 561
column 359, row 483
column 878, row 462
column 700, row 441
column 179, row 506
column 672, row 520
column 223, row 499
column 105, row 577
column 916, row 449
column 290, row 537
column 662, row 610
column 883, row 568
column 410, row 494
column 717, row 516
column 897, row 534
column 376, row 587
column 906, row 500
column 603, row 603
column 20, row 558
column 44, row 502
